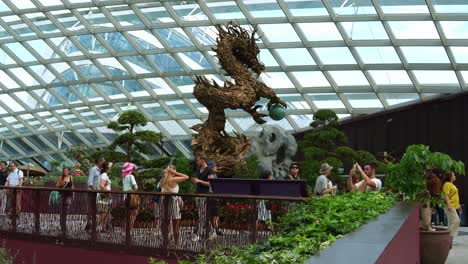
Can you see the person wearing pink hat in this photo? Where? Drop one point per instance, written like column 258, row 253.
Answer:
column 130, row 185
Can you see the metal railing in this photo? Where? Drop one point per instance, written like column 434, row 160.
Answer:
column 146, row 223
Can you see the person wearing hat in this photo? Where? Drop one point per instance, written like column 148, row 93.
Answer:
column 130, row 185
column 369, row 182
column 323, row 183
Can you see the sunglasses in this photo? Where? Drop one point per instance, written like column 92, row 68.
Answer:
column 294, row 167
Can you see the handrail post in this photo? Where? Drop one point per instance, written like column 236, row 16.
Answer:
column 13, row 211
column 93, row 218
column 128, row 234
column 207, row 219
column 63, row 216
column 165, row 223
column 253, row 221
column 37, row 215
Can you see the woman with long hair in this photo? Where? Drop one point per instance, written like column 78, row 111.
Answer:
column 170, row 184
column 104, row 199
column 65, row 181
column 453, row 203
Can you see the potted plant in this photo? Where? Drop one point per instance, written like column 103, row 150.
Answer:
column 408, row 177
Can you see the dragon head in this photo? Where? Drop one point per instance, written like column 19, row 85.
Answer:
column 243, row 46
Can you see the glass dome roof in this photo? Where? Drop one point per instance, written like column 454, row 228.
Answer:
column 68, row 67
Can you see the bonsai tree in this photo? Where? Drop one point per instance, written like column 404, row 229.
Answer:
column 408, row 177
column 133, row 141
column 327, row 143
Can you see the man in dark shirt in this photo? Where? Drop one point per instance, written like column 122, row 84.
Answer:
column 200, row 178
column 3, row 193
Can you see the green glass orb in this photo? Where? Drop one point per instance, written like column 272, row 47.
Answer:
column 277, row 112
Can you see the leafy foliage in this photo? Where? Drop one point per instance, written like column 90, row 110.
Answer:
column 5, row 257
column 307, row 229
column 131, row 140
column 329, row 144
column 409, row 175
column 110, row 155
column 250, row 169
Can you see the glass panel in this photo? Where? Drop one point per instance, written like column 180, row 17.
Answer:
column 205, row 35
column 189, row 12
column 155, row 110
column 364, row 100
column 117, row 41
column 5, row 58
column 364, row 30
column 450, row 6
column 145, row 39
column 356, row 7
column 390, row 77
column 175, row 37
column 306, row 8
column 295, row 57
column 157, row 15
column 311, row 79
column 280, row 32
column 465, row 76
column 460, row 54
column 184, row 83
column 179, row 107
column 195, row 60
column 138, row 64
column 276, row 80
column 378, row 55
column 436, row 77
column 420, row 54
column 320, row 31
column 165, row 62
column 327, row 101
column 403, row 6
column 455, row 29
column 21, row 52
column 127, row 18
column 7, row 81
column 267, row 8
column 22, row 145
column 349, row 78
column 400, row 98
column 41, row 48
column 414, row 29
column 173, row 128
column 335, row 55
column 225, row 10
column 24, row 76
column 159, row 86
column 266, row 58
column 295, row 101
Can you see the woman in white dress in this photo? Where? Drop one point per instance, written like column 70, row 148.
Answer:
column 170, row 184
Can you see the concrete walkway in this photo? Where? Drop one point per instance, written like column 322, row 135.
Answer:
column 459, row 252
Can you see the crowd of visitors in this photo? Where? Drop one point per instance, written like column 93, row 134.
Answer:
column 361, row 179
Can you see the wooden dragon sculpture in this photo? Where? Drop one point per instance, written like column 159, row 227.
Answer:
column 237, row 53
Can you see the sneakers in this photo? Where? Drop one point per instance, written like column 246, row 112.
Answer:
column 195, row 238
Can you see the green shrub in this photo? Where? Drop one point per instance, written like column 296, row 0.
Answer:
column 5, row 257
column 309, row 228
column 160, row 162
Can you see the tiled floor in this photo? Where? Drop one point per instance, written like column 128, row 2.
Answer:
column 459, row 252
